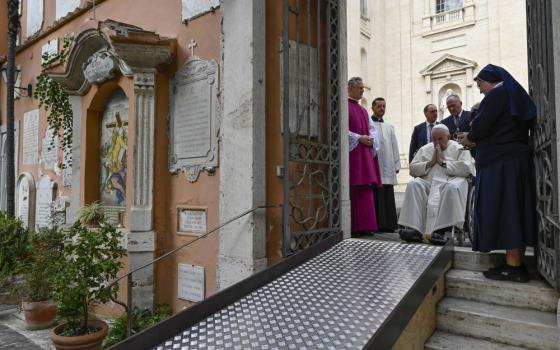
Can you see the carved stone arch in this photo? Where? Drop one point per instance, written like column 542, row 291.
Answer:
column 84, row 46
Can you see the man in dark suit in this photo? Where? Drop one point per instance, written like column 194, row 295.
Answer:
column 422, row 133
column 458, row 120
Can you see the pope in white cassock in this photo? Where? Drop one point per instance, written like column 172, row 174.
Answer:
column 437, row 196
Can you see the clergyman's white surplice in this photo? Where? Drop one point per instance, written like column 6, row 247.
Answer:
column 437, row 196
column 389, row 158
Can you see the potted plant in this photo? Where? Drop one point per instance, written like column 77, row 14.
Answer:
column 14, row 246
column 91, row 214
column 91, row 260
column 37, row 272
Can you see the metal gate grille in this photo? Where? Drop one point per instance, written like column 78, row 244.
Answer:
column 542, row 89
column 311, row 121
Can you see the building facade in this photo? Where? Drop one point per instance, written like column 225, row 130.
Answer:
column 178, row 127
column 418, row 52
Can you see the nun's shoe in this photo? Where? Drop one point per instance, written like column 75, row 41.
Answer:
column 508, row 273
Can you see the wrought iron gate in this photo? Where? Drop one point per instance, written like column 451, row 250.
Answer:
column 311, row 121
column 544, row 136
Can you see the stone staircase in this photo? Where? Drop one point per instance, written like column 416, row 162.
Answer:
column 481, row 314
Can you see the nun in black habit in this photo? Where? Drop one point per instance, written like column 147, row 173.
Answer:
column 505, row 206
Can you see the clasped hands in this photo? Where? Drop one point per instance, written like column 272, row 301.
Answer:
column 437, row 158
column 366, row 140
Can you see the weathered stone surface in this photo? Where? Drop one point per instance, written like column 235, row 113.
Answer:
column 472, row 285
column 466, row 259
column 448, row 341
column 514, row 326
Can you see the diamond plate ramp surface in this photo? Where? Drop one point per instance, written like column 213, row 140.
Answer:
column 337, row 300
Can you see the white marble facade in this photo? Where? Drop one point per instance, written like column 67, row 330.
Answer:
column 414, row 55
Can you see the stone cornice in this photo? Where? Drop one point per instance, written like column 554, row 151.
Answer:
column 133, row 49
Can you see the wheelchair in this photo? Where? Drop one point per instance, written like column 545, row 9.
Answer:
column 463, row 236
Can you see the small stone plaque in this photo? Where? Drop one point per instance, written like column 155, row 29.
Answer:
column 195, row 8
column 190, row 282
column 51, row 47
column 193, row 121
column 30, row 137
column 25, row 208
column 45, row 195
column 192, row 220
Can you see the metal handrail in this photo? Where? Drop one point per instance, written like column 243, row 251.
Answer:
column 128, row 275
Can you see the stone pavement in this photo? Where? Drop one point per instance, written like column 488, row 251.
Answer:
column 13, row 334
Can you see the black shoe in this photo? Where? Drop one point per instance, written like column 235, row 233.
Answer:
column 508, row 273
column 410, row 235
column 438, row 238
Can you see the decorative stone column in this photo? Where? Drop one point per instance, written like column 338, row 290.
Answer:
column 141, row 239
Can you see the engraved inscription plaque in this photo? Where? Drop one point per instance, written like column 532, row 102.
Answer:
column 25, row 208
column 191, row 282
column 193, row 120
column 45, row 196
column 30, row 137
column 192, row 220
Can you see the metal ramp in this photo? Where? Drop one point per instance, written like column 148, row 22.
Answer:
column 348, row 294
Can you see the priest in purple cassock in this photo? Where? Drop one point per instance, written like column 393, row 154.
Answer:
column 364, row 165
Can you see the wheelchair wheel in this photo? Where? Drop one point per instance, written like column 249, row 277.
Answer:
column 469, row 222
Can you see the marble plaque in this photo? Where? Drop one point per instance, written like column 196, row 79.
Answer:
column 191, row 282
column 51, row 47
column 100, row 67
column 25, row 207
column 59, row 211
column 192, row 220
column 30, row 137
column 304, row 90
column 193, row 120
column 49, row 151
column 34, row 12
column 195, row 8
column 45, row 196
column 65, row 6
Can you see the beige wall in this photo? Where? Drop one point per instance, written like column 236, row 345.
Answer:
column 401, row 47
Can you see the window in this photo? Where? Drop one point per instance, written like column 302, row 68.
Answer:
column 363, row 9
column 447, row 5
column 364, row 64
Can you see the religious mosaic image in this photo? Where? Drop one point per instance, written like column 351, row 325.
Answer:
column 113, row 151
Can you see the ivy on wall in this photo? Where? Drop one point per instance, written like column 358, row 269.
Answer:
column 53, row 98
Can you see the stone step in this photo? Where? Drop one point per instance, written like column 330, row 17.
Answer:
column 465, row 259
column 472, row 285
column 527, row 328
column 448, row 341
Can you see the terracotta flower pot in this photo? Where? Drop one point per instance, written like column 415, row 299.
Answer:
column 39, row 314
column 91, row 341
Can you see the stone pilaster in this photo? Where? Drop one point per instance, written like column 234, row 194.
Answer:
column 242, row 249
column 141, row 239
column 345, row 215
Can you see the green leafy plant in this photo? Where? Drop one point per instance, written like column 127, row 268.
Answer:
column 42, row 262
column 91, row 214
column 140, row 321
column 14, row 247
column 53, row 97
column 91, row 259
